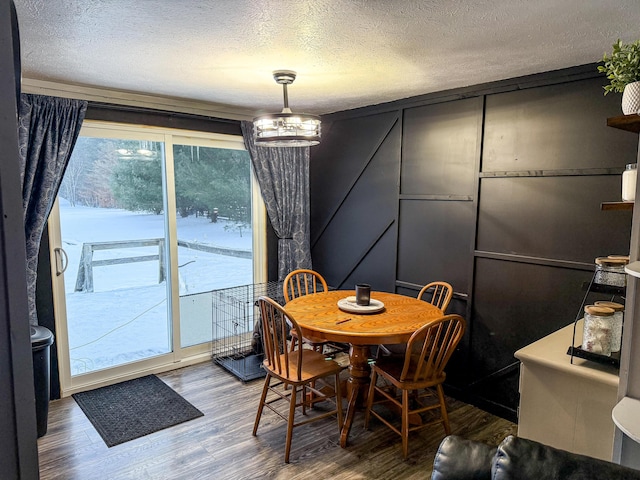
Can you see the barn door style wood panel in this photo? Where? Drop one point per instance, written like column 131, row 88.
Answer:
column 437, row 204
column 496, row 189
column 440, row 157
column 557, row 129
column 18, row 419
column 555, row 218
column 435, row 242
column 515, row 303
column 354, row 191
column 548, row 163
column 440, row 149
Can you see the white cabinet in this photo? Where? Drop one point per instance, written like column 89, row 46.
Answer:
column 565, row 405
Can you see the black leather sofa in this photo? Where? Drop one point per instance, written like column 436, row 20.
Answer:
column 519, row 459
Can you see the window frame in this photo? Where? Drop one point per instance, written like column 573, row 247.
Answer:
column 179, row 356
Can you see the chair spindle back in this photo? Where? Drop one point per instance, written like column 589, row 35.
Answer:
column 441, row 294
column 303, row 282
column 430, row 348
column 276, row 324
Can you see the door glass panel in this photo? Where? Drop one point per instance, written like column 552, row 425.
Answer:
column 113, row 229
column 213, row 224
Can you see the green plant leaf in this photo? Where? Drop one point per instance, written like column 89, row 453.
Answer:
column 622, row 66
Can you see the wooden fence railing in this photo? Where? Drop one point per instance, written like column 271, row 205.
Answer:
column 84, row 280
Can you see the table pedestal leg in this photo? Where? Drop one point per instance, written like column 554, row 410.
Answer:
column 357, row 385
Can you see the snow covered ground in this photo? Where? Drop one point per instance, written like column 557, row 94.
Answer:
column 125, row 317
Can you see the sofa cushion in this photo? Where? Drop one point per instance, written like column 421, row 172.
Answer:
column 462, row 459
column 521, row 459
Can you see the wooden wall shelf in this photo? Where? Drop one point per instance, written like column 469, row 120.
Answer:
column 630, row 123
column 626, row 206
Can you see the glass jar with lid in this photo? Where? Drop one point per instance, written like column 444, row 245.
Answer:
column 610, row 271
column 629, row 178
column 596, row 332
column 616, row 323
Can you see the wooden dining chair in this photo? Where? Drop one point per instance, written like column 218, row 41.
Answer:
column 303, row 282
column 301, row 370
column 438, row 294
column 418, row 377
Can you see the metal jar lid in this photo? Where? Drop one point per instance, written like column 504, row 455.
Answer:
column 617, row 307
column 599, row 311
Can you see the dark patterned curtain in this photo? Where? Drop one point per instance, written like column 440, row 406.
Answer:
column 47, row 131
column 283, row 175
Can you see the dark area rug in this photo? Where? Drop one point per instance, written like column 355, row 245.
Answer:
column 134, row 408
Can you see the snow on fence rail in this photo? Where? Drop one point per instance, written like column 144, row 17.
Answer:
column 84, row 280
column 233, row 252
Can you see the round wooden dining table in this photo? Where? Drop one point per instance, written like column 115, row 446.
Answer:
column 320, row 317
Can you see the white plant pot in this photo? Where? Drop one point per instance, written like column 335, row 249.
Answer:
column 631, row 99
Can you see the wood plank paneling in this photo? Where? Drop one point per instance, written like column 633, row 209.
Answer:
column 506, row 292
column 431, row 235
column 336, row 164
column 514, row 305
column 552, row 217
column 500, row 193
column 439, row 148
column 554, row 127
column 358, row 206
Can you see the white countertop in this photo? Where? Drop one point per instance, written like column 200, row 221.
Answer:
column 551, row 352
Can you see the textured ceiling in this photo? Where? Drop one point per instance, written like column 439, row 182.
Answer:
column 348, row 53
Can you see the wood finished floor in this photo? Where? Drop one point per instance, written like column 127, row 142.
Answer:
column 220, row 445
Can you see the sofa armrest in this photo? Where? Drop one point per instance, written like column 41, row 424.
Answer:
column 522, row 459
column 460, row 459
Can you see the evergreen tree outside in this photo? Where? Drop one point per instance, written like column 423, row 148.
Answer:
column 108, row 173
column 137, row 185
column 213, row 178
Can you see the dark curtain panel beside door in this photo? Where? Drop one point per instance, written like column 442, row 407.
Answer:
column 283, row 175
column 48, row 128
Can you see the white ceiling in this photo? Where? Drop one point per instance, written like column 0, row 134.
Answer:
column 348, row 53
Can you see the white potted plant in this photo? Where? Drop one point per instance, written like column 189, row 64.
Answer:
column 622, row 68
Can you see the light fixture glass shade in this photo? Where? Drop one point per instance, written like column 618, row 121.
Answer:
column 287, row 130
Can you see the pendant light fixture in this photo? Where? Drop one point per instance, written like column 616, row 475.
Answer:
column 286, row 129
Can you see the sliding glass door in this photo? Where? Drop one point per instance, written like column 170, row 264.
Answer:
column 213, row 225
column 147, row 223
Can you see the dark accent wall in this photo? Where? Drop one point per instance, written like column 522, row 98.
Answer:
column 494, row 188
column 18, row 445
column 354, row 201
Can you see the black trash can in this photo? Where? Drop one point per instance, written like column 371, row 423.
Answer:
column 41, row 340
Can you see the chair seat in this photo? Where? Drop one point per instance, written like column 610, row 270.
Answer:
column 391, row 369
column 300, row 375
column 314, row 365
column 419, row 376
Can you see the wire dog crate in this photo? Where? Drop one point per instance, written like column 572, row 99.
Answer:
column 236, row 344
